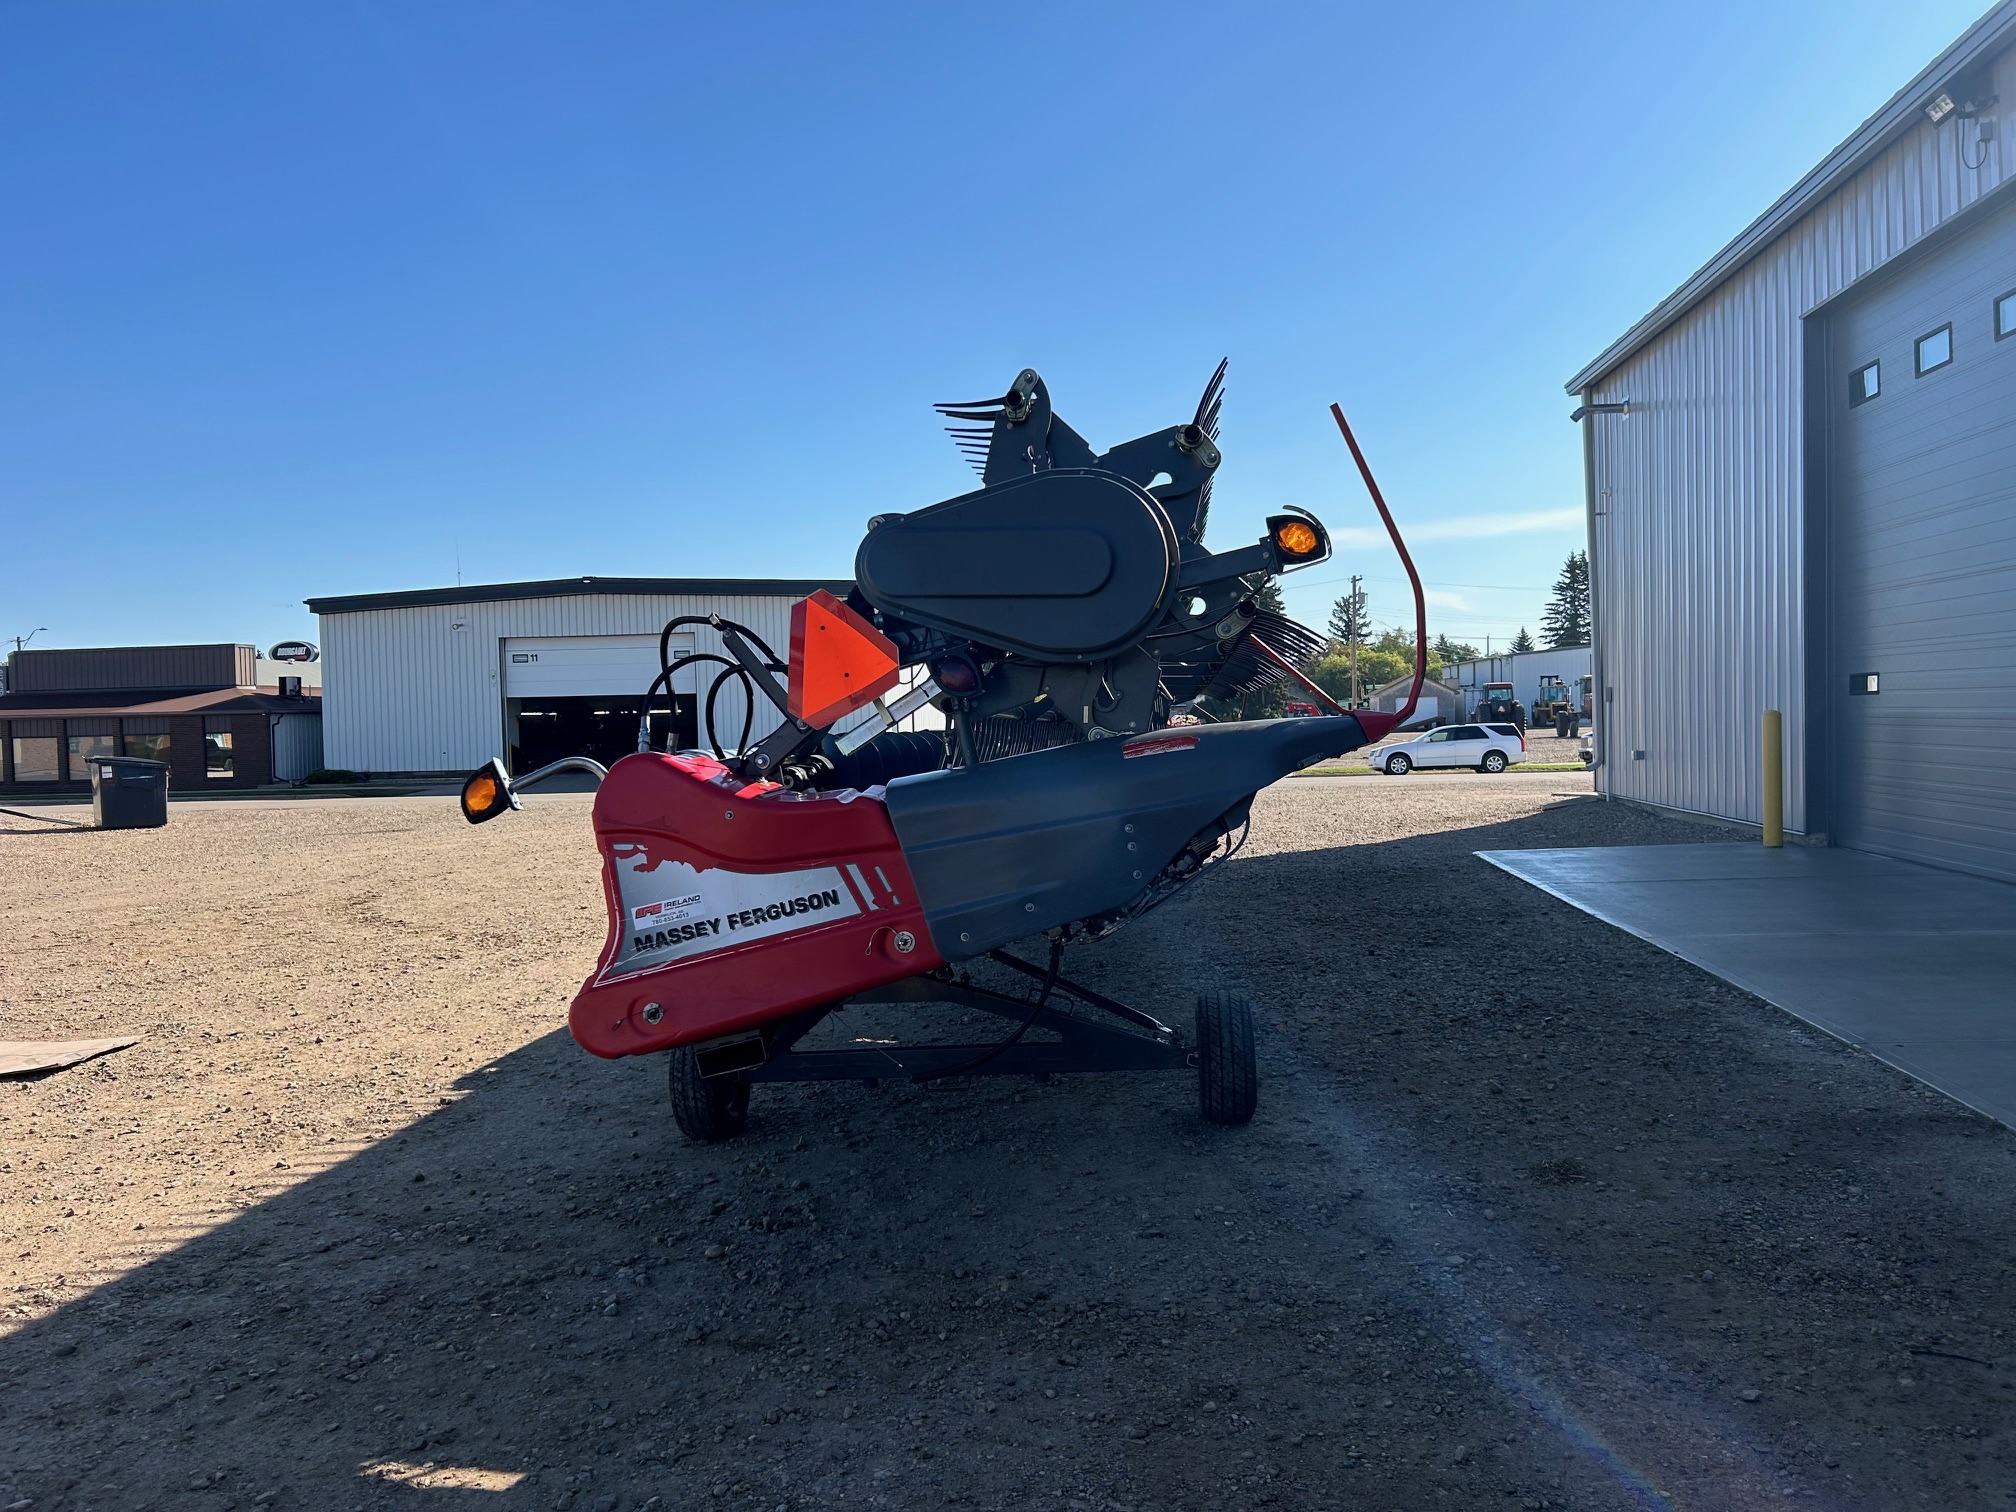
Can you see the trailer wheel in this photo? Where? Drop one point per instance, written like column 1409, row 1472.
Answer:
column 708, row 1109
column 1228, row 1083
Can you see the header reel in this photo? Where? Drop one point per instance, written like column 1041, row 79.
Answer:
column 1069, row 598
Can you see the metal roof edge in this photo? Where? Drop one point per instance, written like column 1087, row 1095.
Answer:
column 492, row 593
column 1984, row 38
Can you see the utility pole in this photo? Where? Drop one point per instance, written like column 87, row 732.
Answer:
column 22, row 640
column 1357, row 610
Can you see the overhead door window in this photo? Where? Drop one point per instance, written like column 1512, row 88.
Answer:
column 1935, row 349
column 1865, row 383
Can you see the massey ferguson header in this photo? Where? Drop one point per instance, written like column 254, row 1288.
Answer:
column 1059, row 616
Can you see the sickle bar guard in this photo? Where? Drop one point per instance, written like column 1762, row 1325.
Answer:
column 1069, row 623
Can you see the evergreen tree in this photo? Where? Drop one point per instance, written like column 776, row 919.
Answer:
column 1348, row 619
column 1566, row 620
column 1522, row 641
column 1446, row 651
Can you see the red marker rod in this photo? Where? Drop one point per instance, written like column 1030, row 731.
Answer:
column 1414, row 577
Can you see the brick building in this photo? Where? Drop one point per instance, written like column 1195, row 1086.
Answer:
column 219, row 716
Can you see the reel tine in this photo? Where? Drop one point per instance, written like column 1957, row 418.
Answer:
column 1002, row 400
column 1212, row 401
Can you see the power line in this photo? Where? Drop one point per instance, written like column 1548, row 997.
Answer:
column 1426, row 582
column 1432, row 583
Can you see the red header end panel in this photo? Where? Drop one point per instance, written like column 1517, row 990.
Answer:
column 733, row 904
column 1376, row 725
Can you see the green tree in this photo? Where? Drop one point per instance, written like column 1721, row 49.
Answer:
column 1396, row 650
column 1446, row 651
column 1522, row 641
column 1566, row 620
column 1348, row 620
column 1376, row 668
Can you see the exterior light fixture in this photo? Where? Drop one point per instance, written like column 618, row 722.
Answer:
column 1969, row 96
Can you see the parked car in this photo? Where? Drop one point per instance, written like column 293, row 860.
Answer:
column 1484, row 748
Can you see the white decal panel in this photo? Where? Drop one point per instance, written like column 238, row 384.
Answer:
column 673, row 912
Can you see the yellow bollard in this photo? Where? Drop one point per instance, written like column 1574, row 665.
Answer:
column 1774, row 778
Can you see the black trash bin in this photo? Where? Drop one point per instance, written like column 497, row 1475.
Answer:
column 129, row 793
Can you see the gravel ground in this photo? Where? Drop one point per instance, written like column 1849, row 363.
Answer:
column 1532, row 1215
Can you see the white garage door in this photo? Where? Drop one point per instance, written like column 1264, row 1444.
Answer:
column 588, row 666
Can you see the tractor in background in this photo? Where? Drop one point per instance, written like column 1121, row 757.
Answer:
column 1498, row 701
column 1554, row 700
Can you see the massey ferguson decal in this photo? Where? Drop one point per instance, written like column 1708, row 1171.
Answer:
column 675, row 911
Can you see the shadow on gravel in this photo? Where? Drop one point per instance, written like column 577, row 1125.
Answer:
column 1533, row 1216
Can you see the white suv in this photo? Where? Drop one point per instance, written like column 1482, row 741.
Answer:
column 1484, row 748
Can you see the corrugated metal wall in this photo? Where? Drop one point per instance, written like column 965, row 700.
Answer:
column 1699, row 548
column 297, row 746
column 420, row 689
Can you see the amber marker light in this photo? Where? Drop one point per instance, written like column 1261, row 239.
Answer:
column 1296, row 539
column 487, row 793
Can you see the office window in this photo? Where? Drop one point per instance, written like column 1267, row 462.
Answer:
column 35, row 758
column 1865, row 383
column 146, row 747
column 217, row 748
column 1935, row 349
column 2005, row 315
column 85, row 748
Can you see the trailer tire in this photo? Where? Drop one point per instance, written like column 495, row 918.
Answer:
column 1228, row 1082
column 708, row 1109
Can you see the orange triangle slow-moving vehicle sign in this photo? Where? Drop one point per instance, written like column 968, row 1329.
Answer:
column 838, row 660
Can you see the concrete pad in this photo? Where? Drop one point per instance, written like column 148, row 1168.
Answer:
column 1913, row 964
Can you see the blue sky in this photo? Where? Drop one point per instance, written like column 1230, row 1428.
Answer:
column 329, row 299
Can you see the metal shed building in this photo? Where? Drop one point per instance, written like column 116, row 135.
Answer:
column 439, row 680
column 1522, row 669
column 1801, row 472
